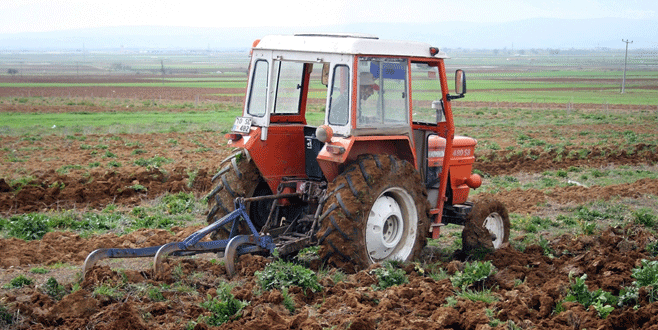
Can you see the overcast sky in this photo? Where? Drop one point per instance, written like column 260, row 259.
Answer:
column 53, row 15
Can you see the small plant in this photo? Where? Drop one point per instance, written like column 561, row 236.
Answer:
column 288, row 302
column 108, row 291
column 652, row 248
column 28, row 226
column 644, row 217
column 6, row 318
column 113, row 163
column 138, row 187
column 18, row 282
column 451, row 301
column 389, row 276
column 155, row 294
column 280, row 274
column 474, row 272
column 179, row 203
column 224, row 307
column 39, row 270
column 485, row 296
column 647, row 275
column 54, row 289
column 628, row 296
column 602, row 301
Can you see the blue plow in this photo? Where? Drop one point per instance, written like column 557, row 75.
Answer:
column 232, row 247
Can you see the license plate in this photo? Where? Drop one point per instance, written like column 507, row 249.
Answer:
column 242, row 125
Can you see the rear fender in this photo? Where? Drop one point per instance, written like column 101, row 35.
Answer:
column 349, row 149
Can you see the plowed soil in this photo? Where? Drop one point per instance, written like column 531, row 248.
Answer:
column 528, row 285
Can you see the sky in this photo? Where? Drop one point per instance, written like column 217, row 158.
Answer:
column 17, row 16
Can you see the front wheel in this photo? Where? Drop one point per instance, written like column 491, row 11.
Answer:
column 487, row 226
column 376, row 211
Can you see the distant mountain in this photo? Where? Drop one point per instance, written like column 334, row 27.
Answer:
column 525, row 34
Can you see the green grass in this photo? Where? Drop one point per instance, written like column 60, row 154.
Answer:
column 126, row 122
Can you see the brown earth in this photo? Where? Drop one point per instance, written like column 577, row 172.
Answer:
column 528, row 285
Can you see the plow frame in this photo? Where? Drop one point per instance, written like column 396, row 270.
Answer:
column 231, row 247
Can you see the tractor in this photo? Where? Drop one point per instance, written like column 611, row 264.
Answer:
column 346, row 141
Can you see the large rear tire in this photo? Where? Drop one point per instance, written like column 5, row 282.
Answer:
column 487, row 227
column 376, row 210
column 239, row 177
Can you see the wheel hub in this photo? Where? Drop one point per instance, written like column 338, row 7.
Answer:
column 494, row 224
column 390, row 230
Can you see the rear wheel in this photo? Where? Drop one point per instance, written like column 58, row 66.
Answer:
column 487, row 226
column 239, row 177
column 376, row 210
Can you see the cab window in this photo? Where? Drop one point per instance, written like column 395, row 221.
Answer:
column 382, row 92
column 339, row 102
column 426, row 90
column 289, row 87
column 257, row 105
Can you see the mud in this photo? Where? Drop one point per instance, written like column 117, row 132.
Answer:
column 528, row 286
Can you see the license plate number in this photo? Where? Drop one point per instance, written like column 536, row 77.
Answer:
column 242, row 125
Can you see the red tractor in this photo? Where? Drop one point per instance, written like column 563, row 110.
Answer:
column 381, row 173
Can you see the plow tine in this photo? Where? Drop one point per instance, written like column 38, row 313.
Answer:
column 231, row 251
column 101, row 254
column 162, row 253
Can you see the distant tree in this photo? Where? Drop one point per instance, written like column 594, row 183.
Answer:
column 12, row 71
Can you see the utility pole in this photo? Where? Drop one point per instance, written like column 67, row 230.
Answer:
column 623, row 82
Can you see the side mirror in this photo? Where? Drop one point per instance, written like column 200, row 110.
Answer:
column 460, row 82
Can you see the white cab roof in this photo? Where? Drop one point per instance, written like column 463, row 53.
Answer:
column 358, row 44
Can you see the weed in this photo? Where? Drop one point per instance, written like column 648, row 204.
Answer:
column 280, row 274
column 39, row 270
column 645, row 217
column 545, row 245
column 18, row 282
column 439, row 275
column 54, row 289
column 602, row 301
column 28, row 226
column 108, row 291
column 474, row 272
column 652, row 248
column 65, row 169
column 113, row 163
column 628, row 296
column 647, row 275
column 451, row 301
column 388, row 276
column 153, row 162
column 179, row 203
column 6, row 318
column 224, row 307
column 155, row 294
column 288, row 302
column 308, row 254
column 485, row 296
column 138, row 187
column 109, row 154
column 138, row 152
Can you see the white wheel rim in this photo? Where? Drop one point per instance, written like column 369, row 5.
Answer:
column 391, row 226
column 494, row 224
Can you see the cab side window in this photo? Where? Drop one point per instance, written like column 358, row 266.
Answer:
column 426, row 89
column 257, row 105
column 339, row 102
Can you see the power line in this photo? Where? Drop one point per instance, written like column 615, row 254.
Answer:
column 623, row 82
